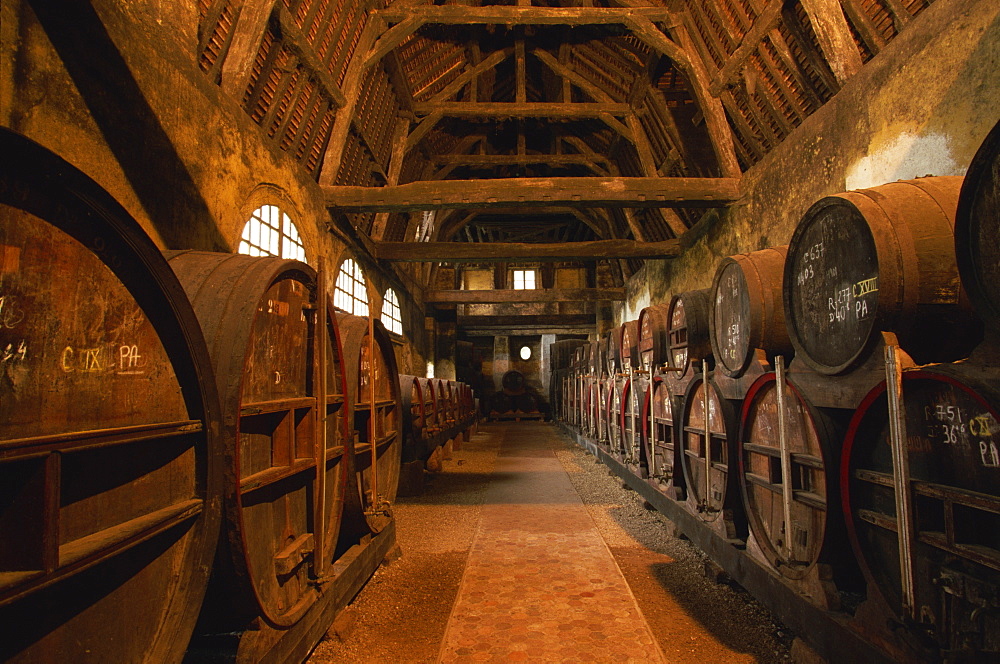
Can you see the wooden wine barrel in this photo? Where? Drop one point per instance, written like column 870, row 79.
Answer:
column 616, row 437
column 633, row 403
column 419, row 413
column 689, row 337
column 814, row 440
column 628, row 347
column 361, row 373
column 595, row 360
column 602, row 409
column 110, row 463
column 659, row 436
column 608, row 353
column 260, row 317
column 653, row 337
column 513, row 382
column 977, row 229
column 952, row 446
column 878, row 259
column 562, row 353
column 708, row 455
column 746, row 309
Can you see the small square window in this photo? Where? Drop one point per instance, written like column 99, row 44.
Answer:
column 524, row 279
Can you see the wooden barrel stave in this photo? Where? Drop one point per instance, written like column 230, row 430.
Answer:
column 109, row 424
column 659, row 434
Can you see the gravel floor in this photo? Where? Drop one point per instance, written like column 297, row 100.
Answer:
column 401, row 614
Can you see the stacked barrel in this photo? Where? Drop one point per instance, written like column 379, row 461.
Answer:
column 831, row 408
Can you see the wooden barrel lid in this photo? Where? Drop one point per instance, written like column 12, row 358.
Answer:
column 813, row 443
column 110, row 462
column 707, row 480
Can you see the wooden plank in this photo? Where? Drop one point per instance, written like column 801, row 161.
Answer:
column 532, row 192
column 486, row 252
column 509, row 16
column 834, row 36
column 520, row 109
column 748, row 45
column 535, row 295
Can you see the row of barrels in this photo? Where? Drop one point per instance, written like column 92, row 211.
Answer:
column 185, row 438
column 832, row 406
column 435, row 411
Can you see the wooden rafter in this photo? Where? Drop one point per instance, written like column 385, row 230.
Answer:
column 491, row 252
column 247, row 35
column 506, row 15
column 504, row 296
column 748, row 45
column 532, row 192
column 834, row 37
column 520, row 110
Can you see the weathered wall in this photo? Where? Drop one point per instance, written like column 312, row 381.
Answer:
column 115, row 90
column 922, row 106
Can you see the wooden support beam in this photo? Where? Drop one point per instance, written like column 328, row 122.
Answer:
column 492, row 252
column 532, row 192
column 391, row 38
column 509, row 16
column 297, row 42
column 525, row 322
column 395, row 167
column 686, row 59
column 506, row 296
column 520, row 110
column 573, row 77
column 748, row 45
column 512, row 159
column 247, row 35
column 470, row 75
column 422, row 129
column 834, row 37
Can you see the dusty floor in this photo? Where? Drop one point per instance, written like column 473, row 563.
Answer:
column 403, row 612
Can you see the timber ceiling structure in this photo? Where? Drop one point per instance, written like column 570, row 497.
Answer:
column 534, row 130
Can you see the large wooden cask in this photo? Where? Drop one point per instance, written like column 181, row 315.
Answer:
column 280, row 377
column 746, row 309
column 373, row 389
column 977, row 230
column 878, row 259
column 660, row 433
column 110, row 462
column 689, row 337
column 653, row 345
column 941, row 496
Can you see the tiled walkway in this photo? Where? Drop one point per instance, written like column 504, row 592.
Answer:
column 541, row 584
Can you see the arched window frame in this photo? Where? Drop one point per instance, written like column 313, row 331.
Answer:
column 392, row 315
column 270, row 231
column 351, row 292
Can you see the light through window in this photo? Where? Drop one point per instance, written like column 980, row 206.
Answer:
column 391, row 316
column 351, row 293
column 524, row 279
column 270, row 232
column 525, row 353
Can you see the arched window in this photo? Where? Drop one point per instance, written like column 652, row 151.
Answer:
column 391, row 316
column 270, row 232
column 351, row 293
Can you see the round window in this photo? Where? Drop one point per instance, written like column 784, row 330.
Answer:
column 525, row 353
